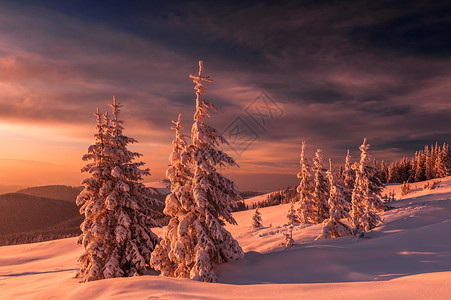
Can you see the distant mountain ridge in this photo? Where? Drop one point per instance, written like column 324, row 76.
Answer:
column 21, row 212
column 44, row 212
column 58, row 192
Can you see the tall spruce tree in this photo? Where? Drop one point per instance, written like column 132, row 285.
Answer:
column 116, row 233
column 321, row 190
column 443, row 162
column 366, row 202
column 429, row 162
column 201, row 240
column 175, row 254
column 338, row 209
column 383, row 172
column 420, row 172
column 305, row 189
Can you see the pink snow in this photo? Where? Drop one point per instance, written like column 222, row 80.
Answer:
column 407, row 257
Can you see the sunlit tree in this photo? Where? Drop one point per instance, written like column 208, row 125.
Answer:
column 305, row 189
column 338, row 210
column 116, row 233
column 209, row 199
column 366, row 196
column 257, row 219
column 321, row 189
column 174, row 256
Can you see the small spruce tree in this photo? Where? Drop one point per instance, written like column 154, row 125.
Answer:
column 257, row 219
column 288, row 237
column 405, row 188
column 292, row 216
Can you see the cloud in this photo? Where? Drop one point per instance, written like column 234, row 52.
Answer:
column 340, row 71
column 23, row 172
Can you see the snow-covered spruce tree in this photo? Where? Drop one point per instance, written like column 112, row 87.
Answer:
column 429, row 163
column 92, row 206
column 213, row 196
column 305, row 189
column 420, row 172
column 366, row 196
column 349, row 178
column 321, row 191
column 174, row 256
column 288, row 237
column 257, row 219
column 292, row 216
column 443, row 163
column 338, row 210
column 116, row 233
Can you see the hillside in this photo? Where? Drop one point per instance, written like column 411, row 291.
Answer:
column 50, row 213
column 407, row 257
column 59, row 192
column 8, row 188
column 22, row 213
column 68, row 193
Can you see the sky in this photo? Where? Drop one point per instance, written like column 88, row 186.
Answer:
column 327, row 72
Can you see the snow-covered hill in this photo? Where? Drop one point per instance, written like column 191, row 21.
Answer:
column 161, row 186
column 408, row 257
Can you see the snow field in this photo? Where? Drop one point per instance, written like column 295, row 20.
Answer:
column 407, row 257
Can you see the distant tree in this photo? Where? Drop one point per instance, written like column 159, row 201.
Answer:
column 321, row 190
column 413, row 163
column 405, row 188
column 443, row 162
column 420, row 172
column 366, row 202
column 349, row 178
column 117, row 237
column 338, row 209
column 305, row 189
column 429, row 162
column 288, row 237
column 447, row 158
column 286, row 195
column 404, row 170
column 389, row 198
column 383, row 172
column 292, row 216
column 257, row 219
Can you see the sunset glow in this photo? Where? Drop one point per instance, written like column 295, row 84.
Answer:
column 250, row 149
column 58, row 64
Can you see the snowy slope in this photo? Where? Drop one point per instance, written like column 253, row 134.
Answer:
column 257, row 199
column 408, row 257
column 160, row 186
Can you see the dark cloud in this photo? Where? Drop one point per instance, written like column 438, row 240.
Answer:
column 340, row 70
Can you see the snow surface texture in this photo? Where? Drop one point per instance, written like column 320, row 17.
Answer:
column 407, row 257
